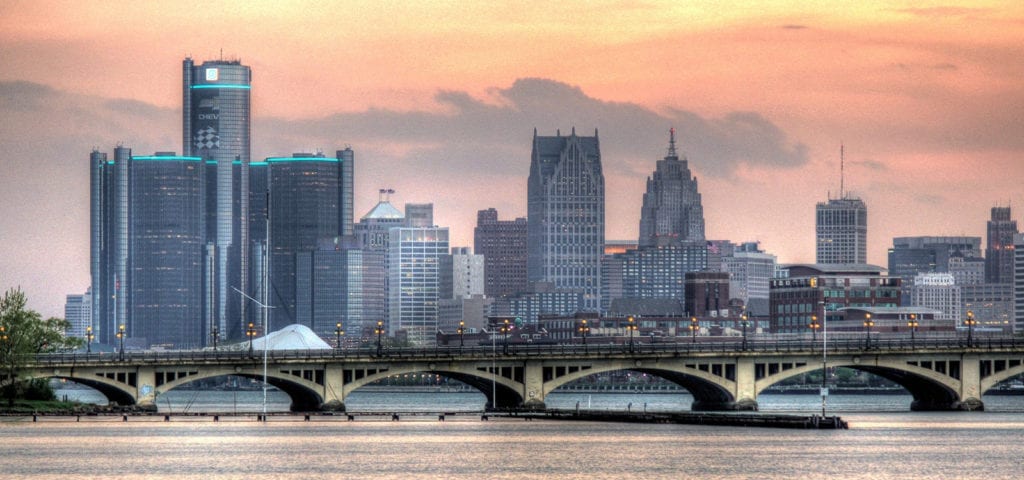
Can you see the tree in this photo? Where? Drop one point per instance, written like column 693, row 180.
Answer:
column 24, row 333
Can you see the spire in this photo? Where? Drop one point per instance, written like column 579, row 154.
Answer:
column 842, row 178
column 672, row 142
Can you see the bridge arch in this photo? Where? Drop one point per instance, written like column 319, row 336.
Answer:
column 304, row 394
column 710, row 392
column 113, row 390
column 931, row 390
column 490, row 385
column 996, row 378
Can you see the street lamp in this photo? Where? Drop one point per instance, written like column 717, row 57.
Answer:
column 250, row 332
column 584, row 330
column 970, row 322
column 694, row 326
column 462, row 333
column 631, row 327
column 505, row 328
column 379, row 331
column 912, row 323
column 338, row 333
column 814, row 326
column 88, row 339
column 215, row 332
column 120, row 338
column 744, row 323
column 868, row 323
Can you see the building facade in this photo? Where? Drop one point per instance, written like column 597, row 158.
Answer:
column 503, row 246
column 939, row 292
column 462, row 274
column 414, row 281
column 216, row 126
column 672, row 211
column 750, row 272
column 147, row 246
column 808, row 291
column 565, row 214
column 78, row 313
column 651, row 272
column 999, row 246
column 306, row 198
column 842, row 231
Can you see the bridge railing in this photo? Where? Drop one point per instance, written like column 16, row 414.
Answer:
column 754, row 345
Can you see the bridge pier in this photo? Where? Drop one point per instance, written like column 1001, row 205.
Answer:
column 333, row 406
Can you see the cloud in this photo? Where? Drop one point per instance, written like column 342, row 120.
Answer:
column 794, row 27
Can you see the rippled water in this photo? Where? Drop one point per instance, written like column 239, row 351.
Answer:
column 884, row 441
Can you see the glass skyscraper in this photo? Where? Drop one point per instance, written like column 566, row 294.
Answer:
column 306, row 206
column 565, row 214
column 414, row 281
column 216, row 127
column 147, row 243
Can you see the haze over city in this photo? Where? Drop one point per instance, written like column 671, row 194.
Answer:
column 440, row 101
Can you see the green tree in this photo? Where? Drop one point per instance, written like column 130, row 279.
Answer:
column 24, row 333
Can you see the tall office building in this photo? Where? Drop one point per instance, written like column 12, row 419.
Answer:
column 147, row 247
column 372, row 236
column 910, row 256
column 999, row 249
column 842, row 231
column 336, row 283
column 78, row 313
column 651, row 272
column 414, row 281
column 750, row 273
column 306, row 199
column 1018, row 283
column 672, row 210
column 503, row 246
column 565, row 214
column 216, row 127
column 937, row 291
column 462, row 274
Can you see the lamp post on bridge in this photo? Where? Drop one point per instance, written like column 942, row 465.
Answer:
column 868, row 323
column 814, row 326
column 584, row 330
column 338, row 333
column 250, row 332
column 970, row 322
column 120, row 338
column 380, row 332
column 744, row 323
column 505, row 328
column 912, row 324
column 462, row 333
column 88, row 339
column 215, row 333
column 694, row 326
column 631, row 327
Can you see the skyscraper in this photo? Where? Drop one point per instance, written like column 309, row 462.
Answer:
column 414, row 281
column 672, row 210
column 147, row 242
column 565, row 212
column 503, row 246
column 842, row 231
column 306, row 199
column 216, row 127
column 999, row 249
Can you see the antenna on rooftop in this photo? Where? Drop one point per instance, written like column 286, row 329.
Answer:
column 842, row 162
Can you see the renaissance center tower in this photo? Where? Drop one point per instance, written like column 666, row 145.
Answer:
column 216, row 127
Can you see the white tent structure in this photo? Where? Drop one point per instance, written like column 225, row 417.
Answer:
column 292, row 337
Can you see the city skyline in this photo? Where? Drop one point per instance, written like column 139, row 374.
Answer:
column 925, row 100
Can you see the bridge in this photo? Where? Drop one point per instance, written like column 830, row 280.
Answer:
column 943, row 374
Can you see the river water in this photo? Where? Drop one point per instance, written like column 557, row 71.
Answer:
column 884, row 441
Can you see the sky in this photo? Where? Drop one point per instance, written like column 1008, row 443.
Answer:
column 440, row 100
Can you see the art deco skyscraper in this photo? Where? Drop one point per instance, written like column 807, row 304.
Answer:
column 216, row 127
column 672, row 210
column 999, row 249
column 565, row 214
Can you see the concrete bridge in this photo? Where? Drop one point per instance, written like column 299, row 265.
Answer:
column 940, row 375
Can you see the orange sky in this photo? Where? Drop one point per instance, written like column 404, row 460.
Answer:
column 926, row 96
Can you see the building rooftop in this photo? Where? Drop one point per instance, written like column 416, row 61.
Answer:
column 384, row 209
